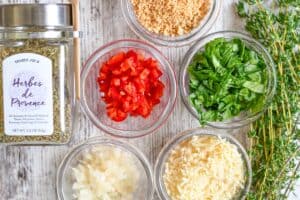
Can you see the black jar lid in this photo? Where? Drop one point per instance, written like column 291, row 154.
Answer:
column 39, row 15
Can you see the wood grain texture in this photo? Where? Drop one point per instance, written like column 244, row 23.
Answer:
column 29, row 173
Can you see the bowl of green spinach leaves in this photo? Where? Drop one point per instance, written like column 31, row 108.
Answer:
column 227, row 80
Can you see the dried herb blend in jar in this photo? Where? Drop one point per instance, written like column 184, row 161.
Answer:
column 36, row 76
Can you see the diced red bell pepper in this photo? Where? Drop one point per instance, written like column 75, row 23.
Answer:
column 116, row 59
column 130, row 84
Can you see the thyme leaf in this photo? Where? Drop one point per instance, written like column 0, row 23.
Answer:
column 275, row 137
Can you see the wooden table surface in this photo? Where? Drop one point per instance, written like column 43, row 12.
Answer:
column 29, row 173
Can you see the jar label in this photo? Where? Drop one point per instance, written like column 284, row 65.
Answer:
column 28, row 96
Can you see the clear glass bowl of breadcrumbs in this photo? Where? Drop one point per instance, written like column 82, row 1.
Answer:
column 199, row 29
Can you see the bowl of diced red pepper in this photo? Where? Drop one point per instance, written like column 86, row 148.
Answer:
column 128, row 88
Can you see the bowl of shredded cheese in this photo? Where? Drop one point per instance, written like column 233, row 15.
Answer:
column 203, row 164
column 105, row 169
column 169, row 22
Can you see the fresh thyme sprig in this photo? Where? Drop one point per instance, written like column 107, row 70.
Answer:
column 274, row 138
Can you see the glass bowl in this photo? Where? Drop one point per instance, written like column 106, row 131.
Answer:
column 141, row 31
column 95, row 108
column 65, row 178
column 165, row 153
column 246, row 117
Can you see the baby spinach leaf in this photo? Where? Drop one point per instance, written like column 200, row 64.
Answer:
column 226, row 78
column 254, row 86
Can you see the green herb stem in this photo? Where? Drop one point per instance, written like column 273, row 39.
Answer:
column 274, row 135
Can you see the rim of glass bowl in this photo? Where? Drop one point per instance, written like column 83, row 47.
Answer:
column 103, row 141
column 130, row 43
column 272, row 79
column 177, row 41
column 164, row 155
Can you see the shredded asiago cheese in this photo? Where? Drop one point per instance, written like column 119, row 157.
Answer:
column 106, row 173
column 204, row 168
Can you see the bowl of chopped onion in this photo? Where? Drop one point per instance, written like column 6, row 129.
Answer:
column 206, row 163
column 104, row 169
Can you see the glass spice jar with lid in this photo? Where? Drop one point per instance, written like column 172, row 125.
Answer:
column 36, row 75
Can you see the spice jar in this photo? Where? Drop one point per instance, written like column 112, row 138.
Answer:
column 36, row 75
